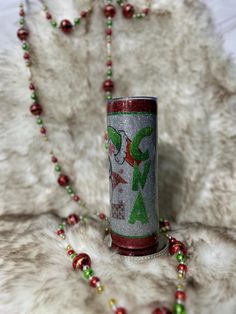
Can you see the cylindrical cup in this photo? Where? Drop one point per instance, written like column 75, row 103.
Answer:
column 132, row 136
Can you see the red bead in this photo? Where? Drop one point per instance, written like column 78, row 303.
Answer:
column 48, row 16
column 102, row 216
column 43, row 130
column 180, row 295
column 109, row 63
column 54, row 159
column 120, row 310
column 70, row 252
column 66, row 26
column 108, row 85
column 81, row 260
column 146, row 11
column 26, row 56
column 182, row 267
column 162, row 310
column 109, row 10
column 63, row 180
column 83, row 14
column 22, row 12
column 177, row 246
column 157, row 311
column 76, row 198
column 165, row 223
column 109, row 31
column 172, row 240
column 31, row 86
column 128, row 11
column 94, row 281
column 36, row 109
column 60, row 231
column 22, row 33
column 73, row 219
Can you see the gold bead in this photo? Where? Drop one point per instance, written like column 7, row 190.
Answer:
column 100, row 289
column 180, row 287
column 69, row 247
column 107, row 230
column 112, row 302
column 82, row 203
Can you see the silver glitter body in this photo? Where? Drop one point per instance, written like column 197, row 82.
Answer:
column 133, row 189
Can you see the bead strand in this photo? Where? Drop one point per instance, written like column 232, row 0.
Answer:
column 179, row 250
column 36, row 110
column 63, row 180
column 23, row 34
column 82, row 261
column 66, row 26
column 129, row 11
column 108, row 85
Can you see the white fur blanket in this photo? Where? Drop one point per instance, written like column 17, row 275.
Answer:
column 173, row 54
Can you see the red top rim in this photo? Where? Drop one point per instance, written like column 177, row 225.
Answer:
column 132, row 104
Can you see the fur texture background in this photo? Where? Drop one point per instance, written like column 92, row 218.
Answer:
column 173, row 54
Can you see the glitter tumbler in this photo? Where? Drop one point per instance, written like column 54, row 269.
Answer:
column 132, row 136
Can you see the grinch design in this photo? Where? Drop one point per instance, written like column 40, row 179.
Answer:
column 125, row 150
column 115, row 177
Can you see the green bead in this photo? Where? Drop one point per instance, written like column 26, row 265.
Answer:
column 119, row 2
column 39, row 121
column 57, row 168
column 88, row 273
column 70, row 190
column 109, row 23
column 61, row 226
column 73, row 256
column 22, row 21
column 34, row 96
column 109, row 72
column 139, row 15
column 179, row 309
column 54, row 23
column 106, row 145
column 109, row 97
column 180, row 257
column 25, row 46
column 77, row 21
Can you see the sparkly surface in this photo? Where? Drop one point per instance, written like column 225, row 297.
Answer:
column 128, row 125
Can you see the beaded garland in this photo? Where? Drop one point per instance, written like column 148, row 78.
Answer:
column 108, row 85
column 82, row 261
column 66, row 25
column 129, row 11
